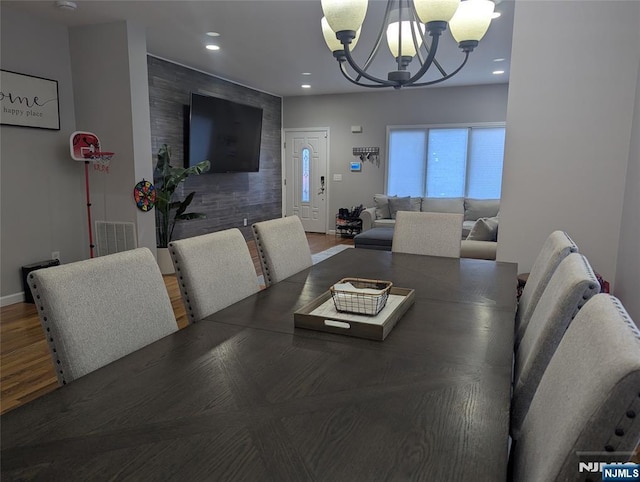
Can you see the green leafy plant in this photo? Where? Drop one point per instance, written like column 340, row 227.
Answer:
column 170, row 210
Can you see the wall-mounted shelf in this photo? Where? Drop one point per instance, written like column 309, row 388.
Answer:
column 357, row 151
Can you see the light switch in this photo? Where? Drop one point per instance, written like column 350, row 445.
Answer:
column 337, row 177
column 356, row 129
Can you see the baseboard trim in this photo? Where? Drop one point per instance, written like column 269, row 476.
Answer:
column 12, row 299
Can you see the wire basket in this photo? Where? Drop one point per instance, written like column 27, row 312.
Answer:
column 362, row 303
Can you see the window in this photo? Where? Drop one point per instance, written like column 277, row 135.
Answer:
column 446, row 161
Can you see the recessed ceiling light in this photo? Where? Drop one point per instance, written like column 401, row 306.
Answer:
column 305, row 86
column 498, row 72
column 213, row 47
column 66, row 5
column 306, row 73
column 213, row 34
column 498, row 60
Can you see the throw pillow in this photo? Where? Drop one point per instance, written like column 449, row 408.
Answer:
column 480, row 208
column 381, row 202
column 484, row 229
column 399, row 204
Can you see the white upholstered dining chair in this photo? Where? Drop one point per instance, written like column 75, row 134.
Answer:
column 572, row 284
column 426, row 233
column 214, row 271
column 282, row 247
column 98, row 310
column 556, row 247
column 588, row 399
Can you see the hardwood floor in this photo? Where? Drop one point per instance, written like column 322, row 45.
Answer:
column 26, row 372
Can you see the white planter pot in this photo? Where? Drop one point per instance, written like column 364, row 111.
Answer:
column 164, row 261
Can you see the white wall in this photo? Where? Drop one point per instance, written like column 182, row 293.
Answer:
column 628, row 271
column 103, row 88
column 141, row 128
column 374, row 111
column 112, row 100
column 571, row 100
column 42, row 189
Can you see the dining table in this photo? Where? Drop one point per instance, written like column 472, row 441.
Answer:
column 245, row 395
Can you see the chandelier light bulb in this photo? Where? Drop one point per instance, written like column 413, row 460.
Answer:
column 471, row 21
column 436, row 10
column 408, row 47
column 344, row 14
column 332, row 41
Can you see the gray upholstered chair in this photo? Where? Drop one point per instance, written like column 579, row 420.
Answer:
column 572, row 284
column 214, row 271
column 282, row 247
column 588, row 399
column 431, row 234
column 556, row 247
column 98, row 310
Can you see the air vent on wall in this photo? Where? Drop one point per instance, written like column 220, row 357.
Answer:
column 115, row 237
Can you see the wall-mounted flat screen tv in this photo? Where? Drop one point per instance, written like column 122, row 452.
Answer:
column 224, row 132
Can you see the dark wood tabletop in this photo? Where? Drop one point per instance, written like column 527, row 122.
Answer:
column 243, row 395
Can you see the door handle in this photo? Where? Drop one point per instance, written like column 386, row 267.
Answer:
column 321, row 185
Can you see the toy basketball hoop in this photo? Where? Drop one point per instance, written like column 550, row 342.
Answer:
column 85, row 146
column 98, row 156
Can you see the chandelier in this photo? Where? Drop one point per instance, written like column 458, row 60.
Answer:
column 407, row 24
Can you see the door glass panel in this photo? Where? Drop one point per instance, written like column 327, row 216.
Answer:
column 306, row 155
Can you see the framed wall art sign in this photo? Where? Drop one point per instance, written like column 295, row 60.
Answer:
column 28, row 101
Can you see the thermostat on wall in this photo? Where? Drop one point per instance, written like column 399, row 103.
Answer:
column 356, row 166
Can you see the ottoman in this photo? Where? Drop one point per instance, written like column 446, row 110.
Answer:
column 375, row 238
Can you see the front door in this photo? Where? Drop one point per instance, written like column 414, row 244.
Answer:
column 306, row 178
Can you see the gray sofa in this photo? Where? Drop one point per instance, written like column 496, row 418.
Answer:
column 479, row 228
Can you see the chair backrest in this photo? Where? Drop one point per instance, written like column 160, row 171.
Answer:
column 214, row 271
column 431, row 234
column 282, row 247
column 571, row 286
column 588, row 399
column 555, row 248
column 98, row 310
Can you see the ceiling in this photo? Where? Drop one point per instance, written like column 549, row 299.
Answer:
column 269, row 44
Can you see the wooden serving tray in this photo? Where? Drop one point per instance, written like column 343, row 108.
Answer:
column 321, row 315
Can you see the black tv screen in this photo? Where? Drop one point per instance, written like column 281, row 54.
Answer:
column 226, row 133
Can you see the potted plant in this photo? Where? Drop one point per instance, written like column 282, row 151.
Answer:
column 169, row 209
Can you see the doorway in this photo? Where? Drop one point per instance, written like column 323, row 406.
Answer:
column 306, row 177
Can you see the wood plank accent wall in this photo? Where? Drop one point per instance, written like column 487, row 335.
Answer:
column 225, row 198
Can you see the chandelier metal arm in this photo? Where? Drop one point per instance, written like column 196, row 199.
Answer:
column 429, row 60
column 380, row 36
column 400, row 19
column 448, row 76
column 362, row 73
column 435, row 61
column 356, row 81
column 439, row 67
column 424, row 36
column 415, row 18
